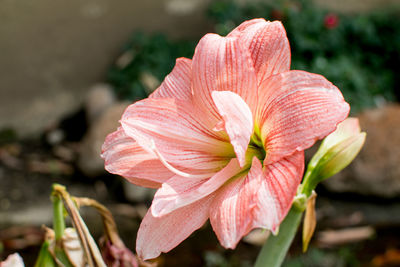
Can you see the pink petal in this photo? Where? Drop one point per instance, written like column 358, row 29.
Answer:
column 178, row 191
column 178, row 83
column 173, row 126
column 123, row 156
column 162, row 234
column 221, row 64
column 347, row 128
column 231, row 213
column 261, row 199
column 298, row 108
column 277, row 189
column 238, row 121
column 268, row 46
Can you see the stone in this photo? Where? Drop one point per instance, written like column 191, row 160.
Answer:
column 34, row 214
column 90, row 162
column 138, row 194
column 98, row 99
column 376, row 170
column 335, row 213
column 149, row 81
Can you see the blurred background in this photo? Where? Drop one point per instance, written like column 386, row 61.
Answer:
column 68, row 69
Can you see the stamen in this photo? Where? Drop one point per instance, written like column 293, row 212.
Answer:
column 173, row 169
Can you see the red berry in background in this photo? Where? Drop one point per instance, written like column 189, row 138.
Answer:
column 331, row 21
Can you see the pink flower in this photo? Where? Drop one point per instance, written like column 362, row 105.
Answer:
column 331, row 21
column 223, row 138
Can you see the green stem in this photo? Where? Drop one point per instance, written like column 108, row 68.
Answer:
column 59, row 225
column 58, row 217
column 309, row 182
column 275, row 248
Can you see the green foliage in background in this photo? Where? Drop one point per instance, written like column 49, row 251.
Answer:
column 143, row 54
column 359, row 54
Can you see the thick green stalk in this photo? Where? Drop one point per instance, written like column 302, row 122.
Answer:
column 45, row 259
column 276, row 247
column 309, row 182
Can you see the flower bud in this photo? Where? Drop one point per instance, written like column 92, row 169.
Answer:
column 117, row 256
column 337, row 151
column 341, row 155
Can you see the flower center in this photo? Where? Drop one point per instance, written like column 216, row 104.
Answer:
column 256, row 147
